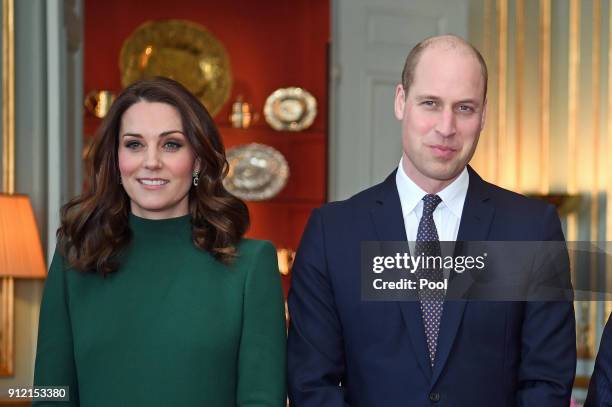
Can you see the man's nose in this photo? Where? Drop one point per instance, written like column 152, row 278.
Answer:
column 446, row 124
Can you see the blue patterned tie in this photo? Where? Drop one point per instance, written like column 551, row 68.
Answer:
column 428, row 244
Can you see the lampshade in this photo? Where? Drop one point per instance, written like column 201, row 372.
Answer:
column 20, row 250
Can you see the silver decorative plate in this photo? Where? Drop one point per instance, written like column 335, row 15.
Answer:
column 257, row 172
column 292, row 109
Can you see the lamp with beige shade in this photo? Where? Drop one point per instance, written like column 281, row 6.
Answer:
column 21, row 256
column 21, row 253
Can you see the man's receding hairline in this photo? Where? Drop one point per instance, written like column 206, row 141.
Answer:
column 449, row 42
column 452, row 43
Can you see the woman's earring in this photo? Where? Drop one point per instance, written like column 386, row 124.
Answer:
column 196, row 179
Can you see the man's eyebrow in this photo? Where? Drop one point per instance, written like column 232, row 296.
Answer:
column 162, row 134
column 427, row 97
column 475, row 102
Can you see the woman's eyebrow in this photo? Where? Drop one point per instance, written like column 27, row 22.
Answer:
column 162, row 134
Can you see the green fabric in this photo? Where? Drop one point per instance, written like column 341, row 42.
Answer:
column 172, row 327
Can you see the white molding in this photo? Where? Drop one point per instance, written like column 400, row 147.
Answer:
column 54, row 28
column 370, row 40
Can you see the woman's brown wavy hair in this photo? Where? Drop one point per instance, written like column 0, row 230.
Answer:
column 95, row 225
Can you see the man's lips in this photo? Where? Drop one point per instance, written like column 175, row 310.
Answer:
column 442, row 151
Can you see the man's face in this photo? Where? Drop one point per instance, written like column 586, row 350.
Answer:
column 441, row 116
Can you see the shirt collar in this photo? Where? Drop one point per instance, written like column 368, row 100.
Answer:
column 453, row 196
column 410, row 193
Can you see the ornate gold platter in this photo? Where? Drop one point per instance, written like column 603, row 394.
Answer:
column 292, row 109
column 181, row 50
column 257, row 171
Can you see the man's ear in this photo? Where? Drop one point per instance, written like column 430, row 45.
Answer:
column 400, row 102
column 484, row 115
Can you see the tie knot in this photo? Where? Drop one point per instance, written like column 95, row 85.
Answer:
column 430, row 202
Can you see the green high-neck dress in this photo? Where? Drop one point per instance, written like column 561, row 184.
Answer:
column 172, row 327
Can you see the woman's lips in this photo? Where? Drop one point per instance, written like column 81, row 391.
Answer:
column 152, row 183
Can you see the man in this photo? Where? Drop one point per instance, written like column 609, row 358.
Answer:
column 347, row 352
column 600, row 388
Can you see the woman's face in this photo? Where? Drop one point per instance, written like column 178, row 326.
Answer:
column 155, row 160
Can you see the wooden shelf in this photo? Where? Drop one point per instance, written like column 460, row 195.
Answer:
column 14, row 403
column 230, row 133
column 266, row 127
column 260, row 65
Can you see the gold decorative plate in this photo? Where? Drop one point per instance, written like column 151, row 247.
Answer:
column 181, row 50
column 292, row 109
column 257, row 171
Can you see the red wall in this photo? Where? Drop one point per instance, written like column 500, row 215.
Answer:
column 271, row 44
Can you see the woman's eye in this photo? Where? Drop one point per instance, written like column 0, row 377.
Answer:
column 172, row 145
column 132, row 145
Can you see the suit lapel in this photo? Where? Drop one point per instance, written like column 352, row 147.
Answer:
column 389, row 224
column 478, row 211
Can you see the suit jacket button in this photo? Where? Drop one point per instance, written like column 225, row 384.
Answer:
column 434, row 396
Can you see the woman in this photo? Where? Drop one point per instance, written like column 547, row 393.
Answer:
column 153, row 297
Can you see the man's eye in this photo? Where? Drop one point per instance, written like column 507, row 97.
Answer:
column 429, row 103
column 466, row 108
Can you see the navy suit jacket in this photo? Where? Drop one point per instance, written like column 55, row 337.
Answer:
column 346, row 352
column 600, row 388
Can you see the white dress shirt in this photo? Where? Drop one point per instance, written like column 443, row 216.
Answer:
column 447, row 215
